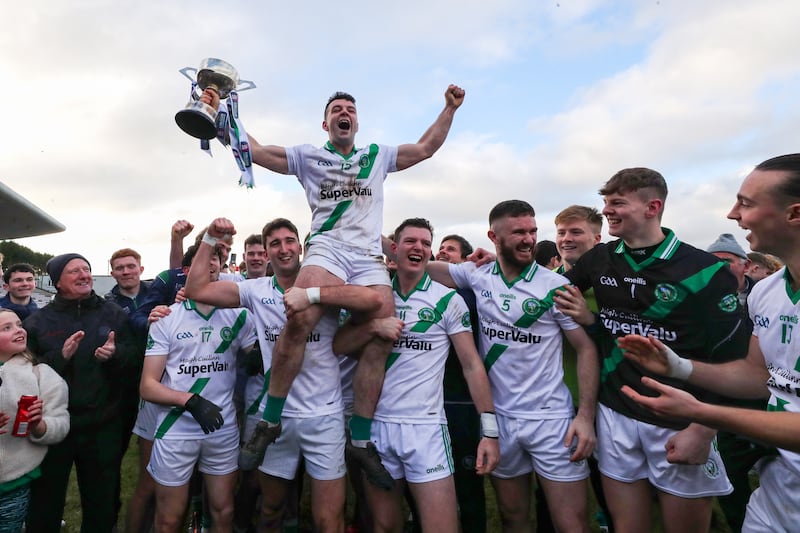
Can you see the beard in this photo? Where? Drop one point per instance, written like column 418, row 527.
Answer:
column 510, row 258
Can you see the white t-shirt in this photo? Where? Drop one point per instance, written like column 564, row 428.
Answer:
column 315, row 390
column 775, row 312
column 345, row 193
column 413, row 390
column 201, row 355
column 520, row 338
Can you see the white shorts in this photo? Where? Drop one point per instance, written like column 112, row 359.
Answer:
column 321, row 442
column 629, row 450
column 775, row 505
column 537, row 446
column 351, row 265
column 417, row 452
column 146, row 420
column 172, row 461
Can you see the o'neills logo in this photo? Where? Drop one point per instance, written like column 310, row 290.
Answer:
column 437, row 468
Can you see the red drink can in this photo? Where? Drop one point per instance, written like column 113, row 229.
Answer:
column 22, row 420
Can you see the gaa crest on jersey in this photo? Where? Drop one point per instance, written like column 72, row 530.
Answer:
column 531, row 306
column 465, row 320
column 666, row 292
column 426, row 314
column 226, row 334
column 728, row 303
column 363, row 161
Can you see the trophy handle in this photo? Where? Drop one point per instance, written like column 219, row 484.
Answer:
column 186, row 70
column 244, row 85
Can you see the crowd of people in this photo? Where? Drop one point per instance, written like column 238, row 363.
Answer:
column 418, row 373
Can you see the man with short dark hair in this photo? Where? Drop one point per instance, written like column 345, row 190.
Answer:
column 255, row 257
column 768, row 207
column 19, row 282
column 520, row 328
column 314, row 422
column 87, row 340
column 649, row 281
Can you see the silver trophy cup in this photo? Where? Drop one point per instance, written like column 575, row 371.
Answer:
column 198, row 119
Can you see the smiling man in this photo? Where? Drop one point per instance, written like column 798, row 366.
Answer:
column 344, row 188
column 649, row 281
column 19, row 282
column 87, row 340
column 521, row 345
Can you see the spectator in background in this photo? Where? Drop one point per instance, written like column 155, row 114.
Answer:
column 87, row 340
column 762, row 265
column 547, row 255
column 19, row 282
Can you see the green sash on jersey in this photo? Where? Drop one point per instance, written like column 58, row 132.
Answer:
column 341, row 207
column 234, row 332
column 176, row 412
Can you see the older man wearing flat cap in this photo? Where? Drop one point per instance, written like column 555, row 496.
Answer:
column 87, row 340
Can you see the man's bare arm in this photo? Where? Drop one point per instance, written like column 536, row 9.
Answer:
column 198, row 282
column 410, row 154
column 270, row 157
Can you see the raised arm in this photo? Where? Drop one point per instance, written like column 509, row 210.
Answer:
column 199, row 287
column 270, row 157
column 410, row 154
column 180, row 229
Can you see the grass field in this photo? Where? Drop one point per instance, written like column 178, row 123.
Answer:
column 72, row 512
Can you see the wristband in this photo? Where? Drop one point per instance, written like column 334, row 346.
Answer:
column 489, row 425
column 679, row 367
column 313, row 295
column 209, row 240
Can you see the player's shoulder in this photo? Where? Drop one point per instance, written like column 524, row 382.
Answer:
column 769, row 288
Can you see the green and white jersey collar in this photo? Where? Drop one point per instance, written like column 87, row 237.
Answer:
column 526, row 274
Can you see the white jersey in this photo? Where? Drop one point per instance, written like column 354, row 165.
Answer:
column 316, row 390
column 201, row 358
column 775, row 312
column 345, row 193
column 520, row 338
column 413, row 390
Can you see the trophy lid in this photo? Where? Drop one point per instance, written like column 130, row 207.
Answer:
column 218, row 73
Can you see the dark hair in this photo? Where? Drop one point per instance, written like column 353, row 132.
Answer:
column 634, row 179
column 276, row 224
column 17, row 267
column 789, row 163
column 253, row 239
column 466, row 247
column 338, row 95
column 581, row 212
column 511, row 208
column 413, row 223
column 545, row 251
column 188, row 257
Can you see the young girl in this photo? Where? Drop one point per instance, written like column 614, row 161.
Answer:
column 48, row 419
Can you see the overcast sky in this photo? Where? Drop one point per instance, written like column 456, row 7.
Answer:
column 560, row 95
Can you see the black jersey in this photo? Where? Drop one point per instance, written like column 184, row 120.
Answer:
column 683, row 296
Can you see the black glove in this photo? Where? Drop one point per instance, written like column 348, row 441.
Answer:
column 207, row 414
column 253, row 362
